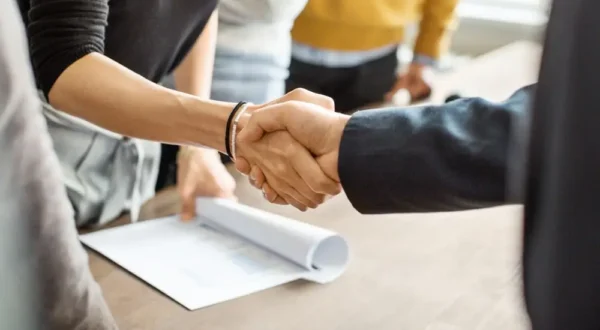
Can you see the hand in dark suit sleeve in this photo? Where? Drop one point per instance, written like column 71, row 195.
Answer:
column 432, row 158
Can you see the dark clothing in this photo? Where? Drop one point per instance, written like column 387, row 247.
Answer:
column 350, row 88
column 150, row 37
column 33, row 196
column 458, row 156
column 167, row 173
column 431, row 158
column 562, row 227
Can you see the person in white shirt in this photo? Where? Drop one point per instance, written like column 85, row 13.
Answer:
column 253, row 49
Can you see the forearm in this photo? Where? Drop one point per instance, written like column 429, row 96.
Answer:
column 194, row 75
column 442, row 158
column 109, row 95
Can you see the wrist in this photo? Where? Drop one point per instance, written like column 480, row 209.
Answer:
column 424, row 61
column 337, row 133
column 198, row 155
column 244, row 118
column 203, row 122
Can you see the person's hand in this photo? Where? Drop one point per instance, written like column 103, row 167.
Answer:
column 300, row 95
column 292, row 170
column 315, row 128
column 416, row 80
column 200, row 173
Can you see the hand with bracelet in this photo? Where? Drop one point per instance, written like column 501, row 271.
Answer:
column 315, row 128
column 141, row 109
column 288, row 166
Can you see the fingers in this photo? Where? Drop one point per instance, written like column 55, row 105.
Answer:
column 289, row 200
column 289, row 168
column 188, row 199
column 313, row 175
column 419, row 90
column 285, row 170
column 276, row 115
column 272, row 196
column 257, row 177
column 262, row 122
column 288, row 192
column 185, row 189
column 258, row 180
column 304, row 95
column 242, row 165
column 401, row 83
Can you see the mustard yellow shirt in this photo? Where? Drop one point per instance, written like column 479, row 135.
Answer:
column 356, row 25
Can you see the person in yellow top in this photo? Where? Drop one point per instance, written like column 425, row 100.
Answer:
column 347, row 49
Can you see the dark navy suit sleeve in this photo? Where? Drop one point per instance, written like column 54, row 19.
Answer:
column 432, row 158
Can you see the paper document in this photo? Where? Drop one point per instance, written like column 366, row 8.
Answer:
column 229, row 251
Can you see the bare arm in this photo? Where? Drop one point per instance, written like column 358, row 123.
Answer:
column 104, row 92
column 194, row 74
column 200, row 171
column 67, row 45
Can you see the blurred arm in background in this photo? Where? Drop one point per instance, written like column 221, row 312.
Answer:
column 433, row 38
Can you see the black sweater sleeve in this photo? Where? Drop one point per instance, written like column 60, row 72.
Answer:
column 432, row 158
column 61, row 32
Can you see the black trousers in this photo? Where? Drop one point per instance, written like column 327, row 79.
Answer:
column 350, row 88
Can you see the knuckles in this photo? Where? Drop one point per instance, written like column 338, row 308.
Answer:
column 304, row 95
column 281, row 169
column 301, row 94
column 326, row 186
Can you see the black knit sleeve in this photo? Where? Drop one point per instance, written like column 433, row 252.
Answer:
column 61, row 32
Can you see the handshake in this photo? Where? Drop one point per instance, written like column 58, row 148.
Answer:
column 289, row 148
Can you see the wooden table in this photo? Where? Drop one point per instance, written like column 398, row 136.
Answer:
column 444, row 271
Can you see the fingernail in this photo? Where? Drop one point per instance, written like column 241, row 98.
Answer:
column 252, row 176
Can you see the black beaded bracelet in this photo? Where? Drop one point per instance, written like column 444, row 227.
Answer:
column 228, row 128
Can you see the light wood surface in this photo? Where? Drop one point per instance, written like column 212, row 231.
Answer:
column 444, row 271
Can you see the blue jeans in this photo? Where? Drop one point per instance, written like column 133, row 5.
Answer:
column 254, row 78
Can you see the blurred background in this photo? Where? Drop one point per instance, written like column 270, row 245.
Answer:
column 485, row 25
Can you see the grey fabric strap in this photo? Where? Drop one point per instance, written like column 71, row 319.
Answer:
column 105, row 173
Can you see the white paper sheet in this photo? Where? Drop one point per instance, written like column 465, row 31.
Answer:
column 230, row 251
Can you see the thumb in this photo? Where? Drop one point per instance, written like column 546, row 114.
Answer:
column 268, row 119
column 304, row 95
column 188, row 201
column 242, row 165
column 329, row 164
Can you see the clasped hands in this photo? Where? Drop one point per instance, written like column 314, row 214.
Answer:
column 289, row 149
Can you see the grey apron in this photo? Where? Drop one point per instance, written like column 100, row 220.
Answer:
column 105, row 173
